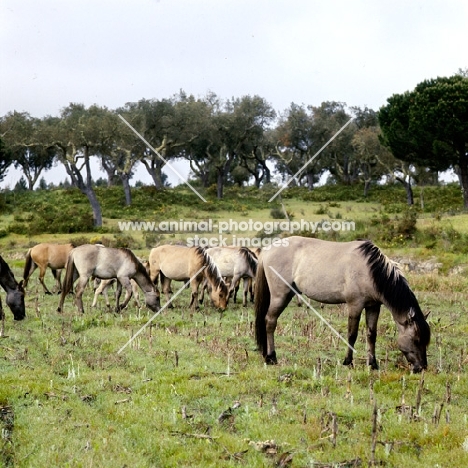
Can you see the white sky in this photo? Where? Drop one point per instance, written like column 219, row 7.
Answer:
column 110, row 52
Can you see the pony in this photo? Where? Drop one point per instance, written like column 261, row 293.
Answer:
column 46, row 255
column 14, row 290
column 236, row 264
column 356, row 273
column 181, row 263
column 102, row 262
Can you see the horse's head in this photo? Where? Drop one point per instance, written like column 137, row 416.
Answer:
column 219, row 296
column 152, row 300
column 15, row 301
column 413, row 339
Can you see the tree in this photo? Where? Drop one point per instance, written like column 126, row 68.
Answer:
column 5, row 159
column 429, row 126
column 23, row 135
column 297, row 141
column 339, row 156
column 224, row 135
column 121, row 151
column 374, row 159
column 78, row 135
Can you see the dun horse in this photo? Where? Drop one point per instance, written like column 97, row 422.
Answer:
column 101, row 262
column 181, row 263
column 14, row 290
column 235, row 264
column 355, row 273
column 46, row 255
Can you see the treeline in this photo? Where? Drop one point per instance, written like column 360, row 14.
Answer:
column 245, row 141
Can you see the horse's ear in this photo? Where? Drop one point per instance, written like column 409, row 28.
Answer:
column 427, row 315
column 21, row 285
column 411, row 314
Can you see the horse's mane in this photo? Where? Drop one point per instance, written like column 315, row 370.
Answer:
column 392, row 285
column 250, row 258
column 7, row 278
column 211, row 271
column 140, row 267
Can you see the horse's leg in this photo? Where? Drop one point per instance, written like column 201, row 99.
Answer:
column 233, row 288
column 251, row 289
column 123, row 282
column 277, row 305
column 58, row 286
column 236, row 290
column 166, row 289
column 59, row 280
column 81, row 285
column 101, row 289
column 135, row 292
column 245, row 291
column 354, row 316
column 195, row 283
column 203, row 288
column 42, row 271
column 372, row 317
column 105, row 294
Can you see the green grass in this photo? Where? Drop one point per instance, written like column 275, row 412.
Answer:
column 77, row 402
column 68, row 398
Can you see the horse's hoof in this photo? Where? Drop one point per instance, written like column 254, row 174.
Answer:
column 270, row 359
column 348, row 362
column 48, row 293
column 373, row 364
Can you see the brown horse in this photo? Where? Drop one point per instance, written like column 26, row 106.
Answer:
column 14, row 290
column 181, row 263
column 355, row 273
column 46, row 255
column 101, row 262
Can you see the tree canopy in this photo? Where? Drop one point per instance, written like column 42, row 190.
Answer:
column 429, row 126
column 244, row 140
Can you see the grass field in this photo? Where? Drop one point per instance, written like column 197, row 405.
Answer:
column 192, row 390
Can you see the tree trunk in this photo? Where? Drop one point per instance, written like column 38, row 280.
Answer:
column 367, row 184
column 155, row 171
column 126, row 186
column 220, row 183
column 95, row 206
column 463, row 175
column 310, row 180
column 409, row 190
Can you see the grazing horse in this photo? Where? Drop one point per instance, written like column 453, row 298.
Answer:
column 14, row 290
column 181, row 263
column 101, row 262
column 236, row 264
column 355, row 273
column 46, row 255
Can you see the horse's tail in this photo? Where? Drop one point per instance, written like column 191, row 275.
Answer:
column 262, row 303
column 27, row 268
column 68, row 281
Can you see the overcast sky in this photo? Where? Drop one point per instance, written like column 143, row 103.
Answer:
column 359, row 52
